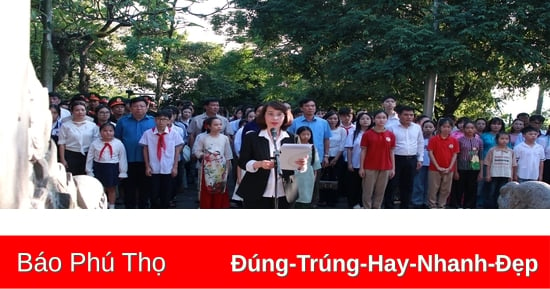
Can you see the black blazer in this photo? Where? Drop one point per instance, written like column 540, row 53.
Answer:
column 256, row 147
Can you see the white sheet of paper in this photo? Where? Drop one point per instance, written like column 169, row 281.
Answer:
column 290, row 153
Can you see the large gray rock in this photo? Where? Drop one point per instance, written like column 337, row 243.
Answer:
column 30, row 176
column 527, row 195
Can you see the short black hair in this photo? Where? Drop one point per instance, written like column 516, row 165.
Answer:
column 78, row 97
column 537, row 117
column 138, row 99
column 345, row 111
column 388, row 97
column 164, row 112
column 529, row 129
column 209, row 100
column 174, row 109
column 522, row 114
column 401, row 108
column 306, row 100
column 72, row 104
column 106, row 125
column 54, row 94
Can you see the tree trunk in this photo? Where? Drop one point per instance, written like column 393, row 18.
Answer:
column 430, row 91
column 83, row 77
column 46, row 71
column 167, row 55
column 430, row 87
column 61, row 46
column 542, row 89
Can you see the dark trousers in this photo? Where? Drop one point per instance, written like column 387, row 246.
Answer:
column 76, row 162
column 405, row 171
column 490, row 195
column 161, row 189
column 465, row 195
column 178, row 181
column 137, row 187
column 546, row 171
column 333, row 174
column 355, row 188
column 265, row 203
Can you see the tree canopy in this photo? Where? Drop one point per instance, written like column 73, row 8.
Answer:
column 341, row 52
column 362, row 50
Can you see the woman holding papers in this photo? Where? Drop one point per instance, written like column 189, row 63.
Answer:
column 261, row 188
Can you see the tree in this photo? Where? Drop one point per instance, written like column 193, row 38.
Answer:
column 361, row 50
column 192, row 62
column 83, row 31
column 236, row 77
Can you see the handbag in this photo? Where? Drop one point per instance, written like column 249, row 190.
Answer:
column 290, row 187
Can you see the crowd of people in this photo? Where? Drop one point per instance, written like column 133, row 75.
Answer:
column 391, row 158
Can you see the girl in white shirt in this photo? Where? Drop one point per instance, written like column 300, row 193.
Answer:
column 353, row 145
column 334, row 171
column 107, row 162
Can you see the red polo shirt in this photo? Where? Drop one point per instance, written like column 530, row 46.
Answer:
column 443, row 150
column 379, row 149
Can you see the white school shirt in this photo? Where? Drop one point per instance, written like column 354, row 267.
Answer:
column 119, row 156
column 544, row 141
column 355, row 145
column 150, row 139
column 529, row 158
column 347, row 129
column 77, row 138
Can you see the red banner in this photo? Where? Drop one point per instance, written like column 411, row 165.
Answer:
column 275, row 261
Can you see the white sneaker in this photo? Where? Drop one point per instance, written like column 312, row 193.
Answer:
column 357, row 206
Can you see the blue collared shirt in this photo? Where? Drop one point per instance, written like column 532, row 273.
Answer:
column 129, row 131
column 320, row 129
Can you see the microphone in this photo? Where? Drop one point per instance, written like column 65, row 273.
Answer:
column 274, row 134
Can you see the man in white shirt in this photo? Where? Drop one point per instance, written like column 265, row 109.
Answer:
column 409, row 155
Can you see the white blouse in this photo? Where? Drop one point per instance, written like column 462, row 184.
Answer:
column 77, row 137
column 118, row 156
column 337, row 141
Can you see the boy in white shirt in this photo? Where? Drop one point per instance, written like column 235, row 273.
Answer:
column 530, row 156
column 161, row 150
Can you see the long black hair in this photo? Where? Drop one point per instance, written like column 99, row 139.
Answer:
column 313, row 151
column 358, row 125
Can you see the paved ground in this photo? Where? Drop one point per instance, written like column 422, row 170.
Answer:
column 189, row 200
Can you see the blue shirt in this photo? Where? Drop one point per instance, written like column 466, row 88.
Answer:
column 489, row 141
column 129, row 131
column 320, row 129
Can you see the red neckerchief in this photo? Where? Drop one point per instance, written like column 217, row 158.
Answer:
column 106, row 145
column 161, row 144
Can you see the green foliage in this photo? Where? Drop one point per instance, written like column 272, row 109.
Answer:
column 349, row 52
column 362, row 50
